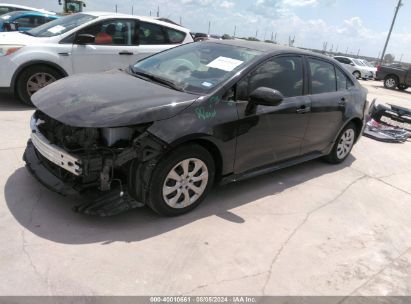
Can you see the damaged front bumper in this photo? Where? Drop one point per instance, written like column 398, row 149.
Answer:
column 89, row 177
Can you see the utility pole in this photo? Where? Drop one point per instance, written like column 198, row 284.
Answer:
column 158, row 10
column 336, row 49
column 116, row 8
column 235, row 28
column 265, row 32
column 401, row 57
column 181, row 21
column 389, row 33
column 346, row 52
column 256, row 33
column 358, row 53
column 209, row 26
column 132, row 9
column 275, row 38
column 150, row 13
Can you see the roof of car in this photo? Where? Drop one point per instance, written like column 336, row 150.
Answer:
column 27, row 8
column 31, row 13
column 265, row 47
column 143, row 18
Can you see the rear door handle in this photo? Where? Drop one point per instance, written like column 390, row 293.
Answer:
column 303, row 109
column 126, row 53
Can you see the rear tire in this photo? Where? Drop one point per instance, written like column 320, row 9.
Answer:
column 343, row 145
column 33, row 79
column 171, row 190
column 390, row 82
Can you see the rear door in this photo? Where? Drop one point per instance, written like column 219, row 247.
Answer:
column 329, row 94
column 270, row 134
column 115, row 45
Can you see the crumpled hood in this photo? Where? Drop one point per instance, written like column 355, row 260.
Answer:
column 110, row 99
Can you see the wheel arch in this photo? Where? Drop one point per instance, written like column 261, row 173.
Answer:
column 392, row 75
column 358, row 122
column 32, row 63
column 208, row 144
column 357, row 71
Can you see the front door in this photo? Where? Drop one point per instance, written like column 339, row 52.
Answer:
column 270, row 134
column 116, row 46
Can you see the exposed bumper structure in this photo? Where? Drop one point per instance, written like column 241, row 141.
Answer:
column 53, row 153
column 101, row 180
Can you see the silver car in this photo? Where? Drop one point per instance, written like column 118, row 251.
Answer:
column 355, row 67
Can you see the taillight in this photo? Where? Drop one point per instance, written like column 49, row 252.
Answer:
column 7, row 27
column 378, row 68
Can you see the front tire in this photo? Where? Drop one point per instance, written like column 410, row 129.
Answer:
column 181, row 180
column 390, row 82
column 357, row 74
column 33, row 79
column 343, row 145
column 402, row 87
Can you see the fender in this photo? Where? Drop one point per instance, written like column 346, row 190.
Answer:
column 31, row 63
column 352, row 119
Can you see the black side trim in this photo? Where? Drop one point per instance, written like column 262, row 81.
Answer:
column 270, row 168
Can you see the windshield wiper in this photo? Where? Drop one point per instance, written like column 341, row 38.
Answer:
column 169, row 83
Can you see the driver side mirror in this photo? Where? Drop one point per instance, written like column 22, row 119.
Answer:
column 266, row 97
column 84, row 39
column 352, row 64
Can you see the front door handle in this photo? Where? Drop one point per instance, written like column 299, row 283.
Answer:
column 342, row 101
column 126, row 53
column 303, row 109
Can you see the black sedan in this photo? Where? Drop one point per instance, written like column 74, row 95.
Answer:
column 172, row 125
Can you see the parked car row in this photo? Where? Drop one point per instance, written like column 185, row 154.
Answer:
column 357, row 67
column 79, row 43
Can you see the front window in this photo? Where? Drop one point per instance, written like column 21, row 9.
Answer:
column 60, row 26
column 196, row 67
column 112, row 32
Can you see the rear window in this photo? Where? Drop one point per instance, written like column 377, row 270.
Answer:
column 322, row 76
column 151, row 34
column 175, row 36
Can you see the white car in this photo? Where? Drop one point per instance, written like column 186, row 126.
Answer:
column 80, row 43
column 8, row 8
column 355, row 67
column 369, row 66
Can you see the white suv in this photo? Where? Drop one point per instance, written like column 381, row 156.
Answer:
column 355, row 67
column 80, row 43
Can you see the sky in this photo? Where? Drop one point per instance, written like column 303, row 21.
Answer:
column 347, row 24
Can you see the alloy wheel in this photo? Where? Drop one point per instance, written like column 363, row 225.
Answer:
column 390, row 83
column 185, row 183
column 345, row 144
column 38, row 81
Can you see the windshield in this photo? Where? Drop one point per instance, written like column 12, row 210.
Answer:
column 60, row 26
column 9, row 15
column 196, row 67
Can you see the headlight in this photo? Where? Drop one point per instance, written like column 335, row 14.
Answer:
column 6, row 50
